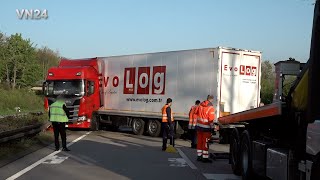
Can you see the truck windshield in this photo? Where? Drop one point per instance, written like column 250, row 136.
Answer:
column 68, row 87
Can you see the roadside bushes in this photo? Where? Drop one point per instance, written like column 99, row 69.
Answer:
column 26, row 99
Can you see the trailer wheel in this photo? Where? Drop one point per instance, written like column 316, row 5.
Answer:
column 94, row 124
column 138, row 126
column 246, row 156
column 154, row 128
column 234, row 151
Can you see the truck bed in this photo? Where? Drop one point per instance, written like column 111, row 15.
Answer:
column 270, row 110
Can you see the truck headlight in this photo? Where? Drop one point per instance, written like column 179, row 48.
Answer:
column 82, row 118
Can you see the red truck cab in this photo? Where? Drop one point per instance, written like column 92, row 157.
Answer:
column 79, row 81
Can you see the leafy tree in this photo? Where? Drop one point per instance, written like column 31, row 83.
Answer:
column 21, row 64
column 267, row 82
column 21, row 57
column 47, row 58
column 4, row 57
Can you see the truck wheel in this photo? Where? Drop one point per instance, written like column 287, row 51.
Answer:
column 246, row 156
column 154, row 128
column 234, row 151
column 138, row 126
column 94, row 125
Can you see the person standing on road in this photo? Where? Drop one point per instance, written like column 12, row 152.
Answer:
column 205, row 113
column 167, row 125
column 192, row 124
column 58, row 114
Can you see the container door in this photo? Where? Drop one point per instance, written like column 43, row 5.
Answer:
column 249, row 87
column 229, row 82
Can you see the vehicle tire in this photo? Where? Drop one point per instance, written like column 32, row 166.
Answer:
column 153, row 128
column 138, row 126
column 246, row 156
column 94, row 124
column 235, row 151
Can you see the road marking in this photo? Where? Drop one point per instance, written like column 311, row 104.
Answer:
column 25, row 170
column 192, row 166
column 177, row 162
column 55, row 159
column 133, row 144
column 222, row 176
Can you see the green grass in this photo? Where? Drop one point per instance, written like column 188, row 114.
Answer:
column 26, row 99
column 12, row 148
column 10, row 123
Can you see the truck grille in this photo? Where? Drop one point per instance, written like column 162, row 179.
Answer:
column 73, row 112
column 73, row 105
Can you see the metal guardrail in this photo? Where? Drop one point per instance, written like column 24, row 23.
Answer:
column 20, row 132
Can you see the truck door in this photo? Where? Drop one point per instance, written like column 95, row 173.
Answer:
column 90, row 105
column 249, row 77
column 229, row 82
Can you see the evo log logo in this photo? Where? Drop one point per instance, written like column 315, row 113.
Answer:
column 144, row 79
column 141, row 80
column 242, row 69
column 32, row 14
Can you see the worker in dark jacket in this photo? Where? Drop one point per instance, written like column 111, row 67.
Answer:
column 167, row 125
column 58, row 114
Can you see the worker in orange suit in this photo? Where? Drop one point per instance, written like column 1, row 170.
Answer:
column 167, row 125
column 192, row 124
column 205, row 113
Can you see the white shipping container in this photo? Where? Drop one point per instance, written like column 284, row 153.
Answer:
column 140, row 84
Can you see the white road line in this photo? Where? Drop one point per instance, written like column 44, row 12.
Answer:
column 177, row 162
column 192, row 166
column 25, row 170
column 222, row 176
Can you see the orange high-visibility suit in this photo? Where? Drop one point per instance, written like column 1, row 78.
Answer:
column 206, row 115
column 192, row 117
column 192, row 125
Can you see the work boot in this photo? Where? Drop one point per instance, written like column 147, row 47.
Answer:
column 206, row 160
column 199, row 158
column 65, row 149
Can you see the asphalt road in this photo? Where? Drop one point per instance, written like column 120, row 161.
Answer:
column 117, row 155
